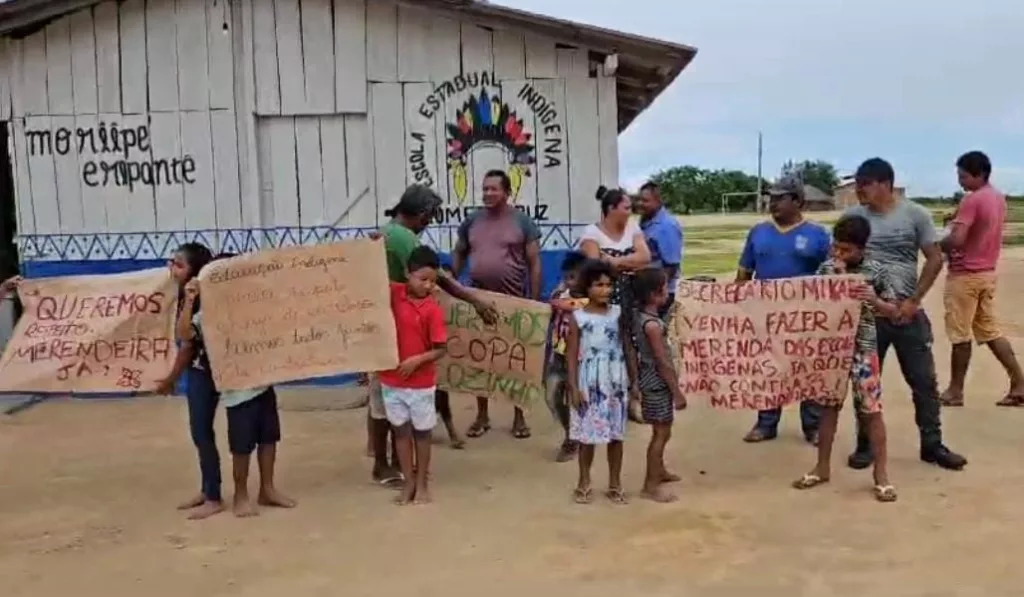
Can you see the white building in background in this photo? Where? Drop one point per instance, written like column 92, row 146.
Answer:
column 134, row 126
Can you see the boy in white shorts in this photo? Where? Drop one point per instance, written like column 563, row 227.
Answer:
column 408, row 390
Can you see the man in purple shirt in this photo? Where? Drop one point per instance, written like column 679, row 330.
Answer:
column 502, row 248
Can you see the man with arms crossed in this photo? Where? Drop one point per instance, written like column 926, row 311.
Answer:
column 899, row 230
column 502, row 247
column 974, row 241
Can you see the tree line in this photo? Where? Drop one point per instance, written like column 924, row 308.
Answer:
column 689, row 189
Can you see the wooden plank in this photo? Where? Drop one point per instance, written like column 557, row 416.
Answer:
column 388, row 146
column 608, row 131
column 141, row 196
column 509, row 55
column 381, row 41
column 162, row 56
column 133, row 57
column 289, row 56
column 540, row 57
column 68, row 175
column 584, row 155
column 420, row 137
column 310, row 171
column 59, row 88
column 547, row 98
column 263, row 39
column 225, row 169
column 244, row 104
column 350, row 56
column 477, row 58
column 22, row 179
column 16, row 61
column 281, row 134
column 103, row 181
column 191, row 37
column 445, row 48
column 42, row 175
column 443, row 182
column 165, row 135
column 334, row 167
column 219, row 38
column 524, row 176
column 84, row 58
column 414, row 24
column 108, row 57
column 94, row 197
column 33, row 75
column 361, row 201
column 7, row 69
column 572, row 63
column 318, row 56
column 266, row 169
column 200, row 206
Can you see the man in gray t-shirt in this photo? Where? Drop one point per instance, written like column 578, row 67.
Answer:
column 900, row 231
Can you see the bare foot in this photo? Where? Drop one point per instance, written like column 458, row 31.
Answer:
column 670, row 478
column 423, row 497
column 951, row 398
column 206, row 510
column 658, row 494
column 272, row 498
column 244, row 508
column 406, row 497
column 457, row 443
column 193, row 502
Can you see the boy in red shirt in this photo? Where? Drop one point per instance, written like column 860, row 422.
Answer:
column 408, row 390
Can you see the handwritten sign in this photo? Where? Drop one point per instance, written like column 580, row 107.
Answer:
column 765, row 344
column 505, row 359
column 296, row 313
column 88, row 334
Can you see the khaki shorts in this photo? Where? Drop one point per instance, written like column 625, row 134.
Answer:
column 970, row 308
column 376, row 403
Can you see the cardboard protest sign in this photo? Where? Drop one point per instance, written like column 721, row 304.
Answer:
column 501, row 360
column 297, row 313
column 89, row 334
column 765, row 344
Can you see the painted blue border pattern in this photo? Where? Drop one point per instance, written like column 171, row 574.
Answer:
column 145, row 246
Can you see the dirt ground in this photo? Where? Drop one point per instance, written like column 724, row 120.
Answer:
column 87, row 495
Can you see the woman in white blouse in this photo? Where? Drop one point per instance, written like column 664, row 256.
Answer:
column 617, row 240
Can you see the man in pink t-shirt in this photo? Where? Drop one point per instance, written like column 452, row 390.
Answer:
column 974, row 242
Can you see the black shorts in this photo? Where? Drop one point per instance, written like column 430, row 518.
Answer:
column 254, row 422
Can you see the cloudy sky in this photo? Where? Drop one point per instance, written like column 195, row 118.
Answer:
column 915, row 81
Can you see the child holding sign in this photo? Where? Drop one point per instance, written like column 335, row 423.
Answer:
column 660, row 394
column 565, row 299
column 253, row 423
column 601, row 379
column 408, row 391
column 850, row 237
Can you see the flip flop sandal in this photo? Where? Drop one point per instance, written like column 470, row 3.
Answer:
column 392, row 482
column 808, row 481
column 885, row 493
column 582, row 496
column 617, row 496
column 1011, row 400
column 758, row 435
column 478, row 429
column 954, row 402
column 521, row 432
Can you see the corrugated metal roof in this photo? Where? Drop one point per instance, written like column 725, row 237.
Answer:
column 646, row 66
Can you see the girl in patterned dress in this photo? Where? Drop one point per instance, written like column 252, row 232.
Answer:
column 660, row 394
column 601, row 379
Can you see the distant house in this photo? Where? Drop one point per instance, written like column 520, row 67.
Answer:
column 845, row 194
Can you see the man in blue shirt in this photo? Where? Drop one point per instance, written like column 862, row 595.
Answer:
column 787, row 246
column 664, row 237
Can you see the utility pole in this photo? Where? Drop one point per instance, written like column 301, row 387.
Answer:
column 760, row 155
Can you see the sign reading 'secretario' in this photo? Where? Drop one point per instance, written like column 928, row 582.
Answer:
column 92, row 334
column 765, row 344
column 298, row 313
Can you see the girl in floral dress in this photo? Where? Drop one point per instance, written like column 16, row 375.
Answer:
column 601, row 378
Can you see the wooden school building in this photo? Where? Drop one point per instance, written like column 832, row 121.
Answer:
column 130, row 127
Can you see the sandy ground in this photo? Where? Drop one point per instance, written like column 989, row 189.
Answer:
column 87, row 495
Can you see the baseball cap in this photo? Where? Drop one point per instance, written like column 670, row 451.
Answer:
column 788, row 186
column 416, row 200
